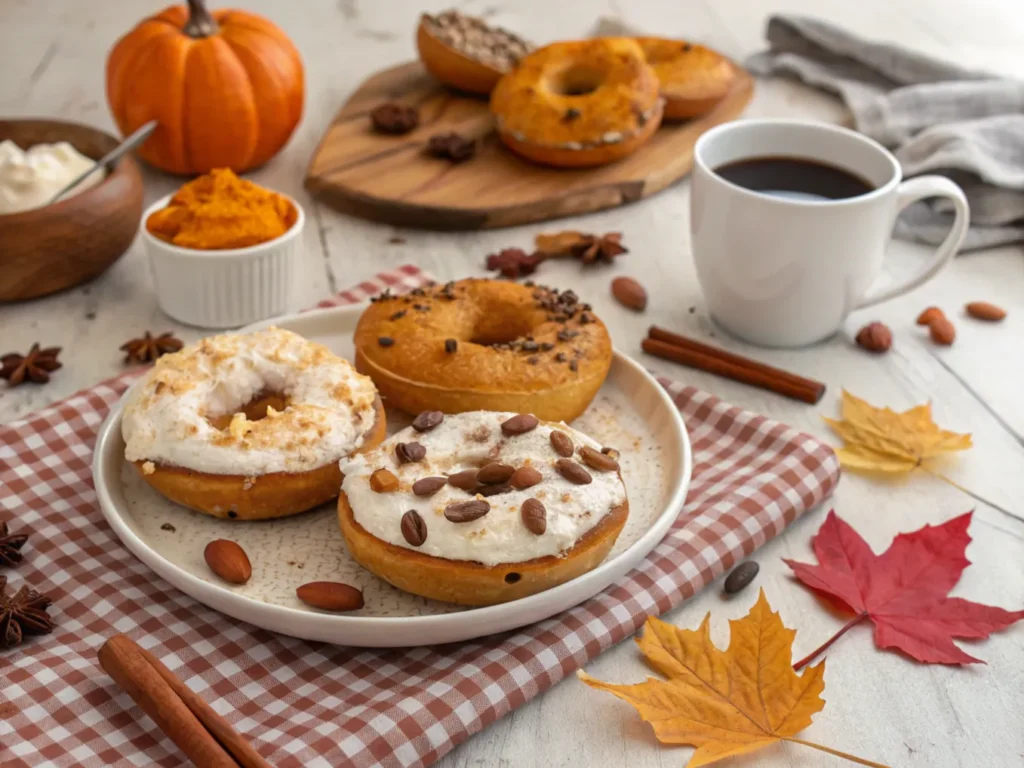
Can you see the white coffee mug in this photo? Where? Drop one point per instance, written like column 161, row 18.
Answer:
column 784, row 271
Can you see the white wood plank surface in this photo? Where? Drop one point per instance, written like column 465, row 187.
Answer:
column 879, row 705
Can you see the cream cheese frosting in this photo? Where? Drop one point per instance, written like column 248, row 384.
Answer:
column 468, row 441
column 173, row 415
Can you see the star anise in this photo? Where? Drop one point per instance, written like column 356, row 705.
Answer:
column 514, row 262
column 23, row 613
column 10, row 546
column 36, row 366
column 149, row 347
column 589, row 249
column 451, row 146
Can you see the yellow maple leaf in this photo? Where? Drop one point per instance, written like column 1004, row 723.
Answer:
column 880, row 439
column 730, row 702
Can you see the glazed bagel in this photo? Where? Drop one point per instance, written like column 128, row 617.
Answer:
column 497, row 556
column 250, row 427
column 693, row 78
column 484, row 345
column 482, row 56
column 581, row 103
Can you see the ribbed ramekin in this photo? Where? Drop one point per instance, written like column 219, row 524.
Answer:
column 226, row 288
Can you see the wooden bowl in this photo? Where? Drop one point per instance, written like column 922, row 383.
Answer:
column 62, row 245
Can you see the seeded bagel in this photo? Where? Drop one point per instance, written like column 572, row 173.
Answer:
column 466, row 53
column 490, row 345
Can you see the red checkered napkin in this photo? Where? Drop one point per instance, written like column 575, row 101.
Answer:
column 311, row 704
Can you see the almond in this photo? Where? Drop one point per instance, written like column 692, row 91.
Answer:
column 228, row 560
column 597, row 460
column 573, row 472
column 875, row 337
column 525, row 477
column 629, row 293
column 942, row 331
column 930, row 314
column 982, row 310
column 330, row 596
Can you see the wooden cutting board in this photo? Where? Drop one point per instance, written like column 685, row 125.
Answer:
column 390, row 179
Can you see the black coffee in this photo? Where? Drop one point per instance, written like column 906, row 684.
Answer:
column 794, row 177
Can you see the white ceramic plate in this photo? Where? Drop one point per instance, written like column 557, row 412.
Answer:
column 631, row 413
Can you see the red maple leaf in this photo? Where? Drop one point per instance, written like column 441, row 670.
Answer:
column 903, row 590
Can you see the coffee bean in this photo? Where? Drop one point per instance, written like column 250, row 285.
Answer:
column 494, row 490
column 525, row 477
column 407, row 453
column 465, row 480
column 561, row 443
column 494, row 472
column 520, row 424
column 414, row 529
column 740, row 577
column 597, row 460
column 466, row 511
column 573, row 472
column 450, row 345
column 535, row 517
column 385, row 341
column 427, row 420
column 428, row 486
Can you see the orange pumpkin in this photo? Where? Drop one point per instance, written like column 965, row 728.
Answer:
column 226, row 88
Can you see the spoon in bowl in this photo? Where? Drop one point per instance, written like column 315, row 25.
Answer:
column 129, row 143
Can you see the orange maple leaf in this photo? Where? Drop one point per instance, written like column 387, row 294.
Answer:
column 730, row 702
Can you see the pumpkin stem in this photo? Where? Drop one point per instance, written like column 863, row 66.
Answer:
column 200, row 23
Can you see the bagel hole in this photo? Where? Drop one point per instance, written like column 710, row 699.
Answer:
column 254, row 410
column 500, row 327
column 577, row 81
column 512, row 578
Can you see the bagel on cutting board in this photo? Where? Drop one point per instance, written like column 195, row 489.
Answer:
column 693, row 78
column 577, row 104
column 465, row 52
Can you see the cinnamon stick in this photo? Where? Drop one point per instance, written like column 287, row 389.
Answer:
column 124, row 662
column 243, row 752
column 678, row 340
column 737, row 368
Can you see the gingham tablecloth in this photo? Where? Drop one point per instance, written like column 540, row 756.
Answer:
column 312, row 704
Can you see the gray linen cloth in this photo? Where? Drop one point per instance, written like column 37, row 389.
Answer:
column 935, row 116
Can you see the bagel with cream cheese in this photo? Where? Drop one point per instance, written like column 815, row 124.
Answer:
column 482, row 508
column 250, row 426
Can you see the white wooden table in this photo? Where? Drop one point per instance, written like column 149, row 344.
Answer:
column 880, row 705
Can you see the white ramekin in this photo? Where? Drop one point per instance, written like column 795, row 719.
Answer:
column 228, row 288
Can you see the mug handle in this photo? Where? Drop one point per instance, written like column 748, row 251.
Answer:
column 910, row 192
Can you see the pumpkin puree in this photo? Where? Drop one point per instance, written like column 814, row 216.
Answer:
column 219, row 210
